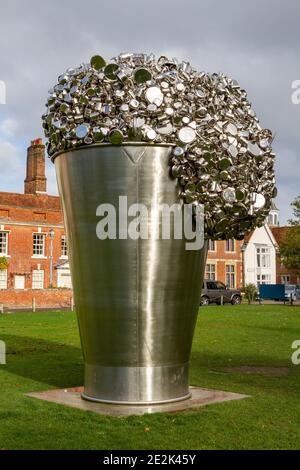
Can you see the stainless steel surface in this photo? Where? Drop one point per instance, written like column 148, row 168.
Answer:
column 224, row 158
column 136, row 300
column 143, row 384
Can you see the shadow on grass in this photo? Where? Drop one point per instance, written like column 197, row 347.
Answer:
column 47, row 362
column 61, row 365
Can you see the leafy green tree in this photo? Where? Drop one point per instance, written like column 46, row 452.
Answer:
column 290, row 247
column 296, row 211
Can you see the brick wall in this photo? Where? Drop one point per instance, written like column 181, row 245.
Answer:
column 280, row 233
column 20, row 253
column 283, row 273
column 21, row 215
column 15, row 203
column 46, row 298
column 221, row 258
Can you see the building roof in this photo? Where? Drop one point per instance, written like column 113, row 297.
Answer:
column 280, row 233
column 35, row 201
column 248, row 237
column 270, row 233
column 62, row 265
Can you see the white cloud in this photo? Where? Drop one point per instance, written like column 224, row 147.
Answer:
column 51, row 179
column 8, row 127
column 12, row 168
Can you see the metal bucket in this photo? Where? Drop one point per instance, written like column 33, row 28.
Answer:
column 136, row 300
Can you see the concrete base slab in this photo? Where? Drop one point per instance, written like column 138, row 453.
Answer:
column 72, row 397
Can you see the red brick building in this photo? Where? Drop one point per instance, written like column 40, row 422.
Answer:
column 283, row 275
column 224, row 262
column 32, row 237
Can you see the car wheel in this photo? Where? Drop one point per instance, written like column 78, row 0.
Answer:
column 236, row 300
column 204, row 300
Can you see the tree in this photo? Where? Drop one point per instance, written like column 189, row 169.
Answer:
column 296, row 211
column 3, row 263
column 251, row 292
column 290, row 247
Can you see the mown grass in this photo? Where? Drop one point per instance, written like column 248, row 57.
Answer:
column 44, row 353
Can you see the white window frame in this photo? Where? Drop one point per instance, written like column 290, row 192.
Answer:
column 230, row 275
column 211, row 245
column 286, row 279
column 43, row 237
column 231, row 244
column 4, row 234
column 263, row 257
column 263, row 279
column 63, row 247
column 210, row 271
column 3, row 279
column 38, row 276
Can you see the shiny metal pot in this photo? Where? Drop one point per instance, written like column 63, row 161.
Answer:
column 136, row 300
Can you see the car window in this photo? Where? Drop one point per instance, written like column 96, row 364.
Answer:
column 211, row 285
column 220, row 285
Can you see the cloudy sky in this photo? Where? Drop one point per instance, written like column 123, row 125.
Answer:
column 257, row 42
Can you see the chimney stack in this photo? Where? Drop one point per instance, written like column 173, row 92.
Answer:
column 36, row 181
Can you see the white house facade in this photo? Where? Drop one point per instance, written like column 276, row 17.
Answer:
column 259, row 253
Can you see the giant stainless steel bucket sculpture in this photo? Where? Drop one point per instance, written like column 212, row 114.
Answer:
column 136, row 300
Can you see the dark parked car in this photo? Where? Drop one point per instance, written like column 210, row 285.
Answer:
column 212, row 291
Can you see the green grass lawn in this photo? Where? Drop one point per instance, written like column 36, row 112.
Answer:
column 44, row 353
